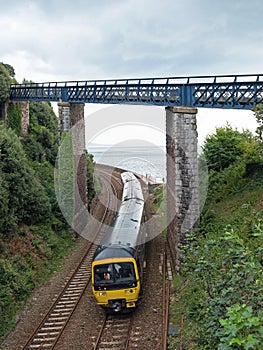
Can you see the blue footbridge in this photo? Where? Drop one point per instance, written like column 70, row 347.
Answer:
column 221, row 91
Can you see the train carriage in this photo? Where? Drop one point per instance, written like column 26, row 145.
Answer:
column 118, row 262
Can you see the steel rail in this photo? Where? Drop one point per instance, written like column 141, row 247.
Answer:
column 96, row 345
column 114, row 332
column 165, row 300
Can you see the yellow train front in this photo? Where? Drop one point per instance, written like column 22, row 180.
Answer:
column 116, row 279
column 117, row 263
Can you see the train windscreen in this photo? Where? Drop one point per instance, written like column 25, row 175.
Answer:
column 118, row 274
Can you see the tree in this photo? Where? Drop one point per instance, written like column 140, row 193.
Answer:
column 6, row 75
column 224, row 147
column 5, row 82
column 41, row 113
column 258, row 113
column 10, row 69
column 90, row 175
column 41, row 142
column 23, row 197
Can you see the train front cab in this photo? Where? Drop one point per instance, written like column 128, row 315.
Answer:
column 116, row 283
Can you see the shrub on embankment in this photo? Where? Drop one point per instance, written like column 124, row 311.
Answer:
column 34, row 236
column 221, row 286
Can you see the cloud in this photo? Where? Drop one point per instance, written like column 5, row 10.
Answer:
column 53, row 40
column 83, row 39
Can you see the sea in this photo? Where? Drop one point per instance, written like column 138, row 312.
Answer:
column 149, row 161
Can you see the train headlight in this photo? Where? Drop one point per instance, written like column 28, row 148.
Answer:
column 102, row 294
column 129, row 291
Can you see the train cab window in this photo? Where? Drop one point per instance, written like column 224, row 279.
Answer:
column 115, row 273
column 103, row 273
column 126, row 271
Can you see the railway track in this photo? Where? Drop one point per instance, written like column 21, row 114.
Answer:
column 166, row 285
column 53, row 324
column 115, row 333
column 121, row 332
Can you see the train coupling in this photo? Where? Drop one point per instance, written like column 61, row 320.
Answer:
column 117, row 305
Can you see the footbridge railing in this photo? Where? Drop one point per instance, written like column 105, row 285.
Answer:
column 222, row 91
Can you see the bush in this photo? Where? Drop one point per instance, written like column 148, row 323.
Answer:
column 5, row 82
column 222, row 273
column 223, row 296
column 27, row 201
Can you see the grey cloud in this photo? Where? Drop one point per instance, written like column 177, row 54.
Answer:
column 89, row 39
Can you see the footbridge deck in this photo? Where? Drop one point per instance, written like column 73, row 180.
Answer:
column 223, row 91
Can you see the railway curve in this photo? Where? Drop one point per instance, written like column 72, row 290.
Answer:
column 48, row 332
column 143, row 328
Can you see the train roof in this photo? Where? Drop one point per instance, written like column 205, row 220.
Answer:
column 124, row 232
column 125, row 229
column 131, row 187
column 104, row 252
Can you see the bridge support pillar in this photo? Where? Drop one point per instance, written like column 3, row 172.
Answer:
column 63, row 118
column 182, row 178
column 24, row 106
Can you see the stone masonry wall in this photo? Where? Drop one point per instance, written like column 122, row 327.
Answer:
column 182, row 177
column 63, row 118
column 24, row 106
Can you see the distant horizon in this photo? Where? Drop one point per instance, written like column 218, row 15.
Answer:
column 103, row 145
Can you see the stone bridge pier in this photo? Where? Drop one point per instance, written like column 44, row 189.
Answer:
column 182, row 178
column 24, row 106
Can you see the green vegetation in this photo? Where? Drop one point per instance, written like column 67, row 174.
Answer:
column 28, row 257
column 14, row 118
column 159, row 199
column 22, row 205
column 258, row 111
column 221, row 286
column 65, row 178
column 34, row 235
column 41, row 144
column 5, row 81
column 91, row 181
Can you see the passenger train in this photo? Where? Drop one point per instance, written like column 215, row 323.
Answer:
column 117, row 265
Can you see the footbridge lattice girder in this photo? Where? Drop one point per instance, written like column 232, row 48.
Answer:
column 233, row 91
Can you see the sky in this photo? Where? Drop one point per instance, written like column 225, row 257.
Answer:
column 53, row 40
